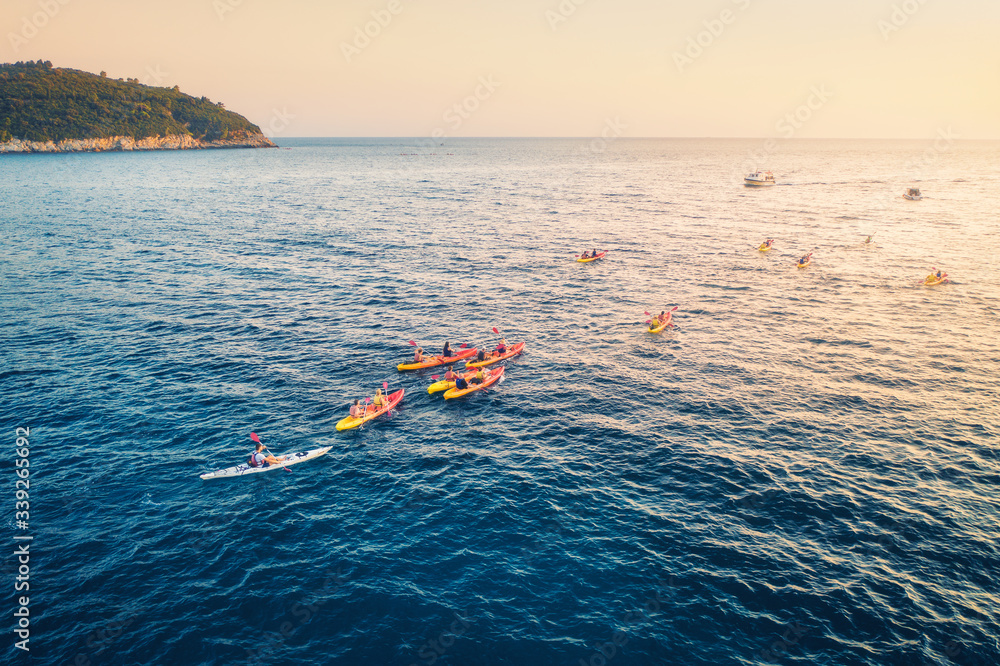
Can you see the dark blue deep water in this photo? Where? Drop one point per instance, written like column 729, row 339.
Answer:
column 804, row 471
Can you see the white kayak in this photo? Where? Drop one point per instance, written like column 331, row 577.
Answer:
column 245, row 468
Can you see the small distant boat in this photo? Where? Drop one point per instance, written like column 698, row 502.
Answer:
column 913, row 194
column 759, row 179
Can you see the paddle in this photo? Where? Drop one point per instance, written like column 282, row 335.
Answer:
column 255, row 438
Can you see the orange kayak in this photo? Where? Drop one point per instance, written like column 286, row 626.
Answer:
column 492, row 378
column 490, row 360
column 437, row 360
column 349, row 422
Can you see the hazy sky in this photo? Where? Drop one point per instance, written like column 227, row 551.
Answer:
column 751, row 68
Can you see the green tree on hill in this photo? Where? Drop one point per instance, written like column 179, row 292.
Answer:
column 42, row 103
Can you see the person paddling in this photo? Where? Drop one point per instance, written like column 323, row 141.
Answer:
column 447, row 352
column 260, row 459
column 502, row 347
column 418, row 356
column 379, row 400
column 357, row 411
column 460, row 383
column 449, row 375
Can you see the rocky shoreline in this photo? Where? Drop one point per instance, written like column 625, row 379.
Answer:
column 127, row 143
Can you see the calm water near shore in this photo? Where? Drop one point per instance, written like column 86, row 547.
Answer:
column 803, row 471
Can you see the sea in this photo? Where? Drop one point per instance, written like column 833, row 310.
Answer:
column 804, row 469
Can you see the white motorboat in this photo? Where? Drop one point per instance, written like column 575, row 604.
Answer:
column 759, row 179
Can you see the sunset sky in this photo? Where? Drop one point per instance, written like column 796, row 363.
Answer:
column 763, row 68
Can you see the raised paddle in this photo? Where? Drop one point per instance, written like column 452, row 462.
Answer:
column 255, row 438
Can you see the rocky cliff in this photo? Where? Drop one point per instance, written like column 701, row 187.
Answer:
column 122, row 143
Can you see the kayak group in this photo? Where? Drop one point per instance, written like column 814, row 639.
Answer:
column 476, row 376
column 930, row 280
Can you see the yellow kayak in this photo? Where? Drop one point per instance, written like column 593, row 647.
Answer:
column 764, row 247
column 349, row 422
column 600, row 255
column 933, row 280
column 662, row 326
column 444, row 384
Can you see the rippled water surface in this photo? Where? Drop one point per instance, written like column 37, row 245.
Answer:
column 804, row 470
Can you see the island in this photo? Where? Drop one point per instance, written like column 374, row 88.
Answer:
column 52, row 110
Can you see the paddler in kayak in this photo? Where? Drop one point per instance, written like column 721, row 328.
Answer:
column 447, row 352
column 260, row 459
column 379, row 400
column 502, row 347
column 480, row 377
column 357, row 411
column 449, row 375
column 418, row 356
column 460, row 382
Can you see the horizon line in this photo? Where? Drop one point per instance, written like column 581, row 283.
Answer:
column 619, row 138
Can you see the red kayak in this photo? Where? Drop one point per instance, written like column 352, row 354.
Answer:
column 492, row 377
column 433, row 361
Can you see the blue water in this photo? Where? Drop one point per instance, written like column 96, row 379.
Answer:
column 804, row 470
